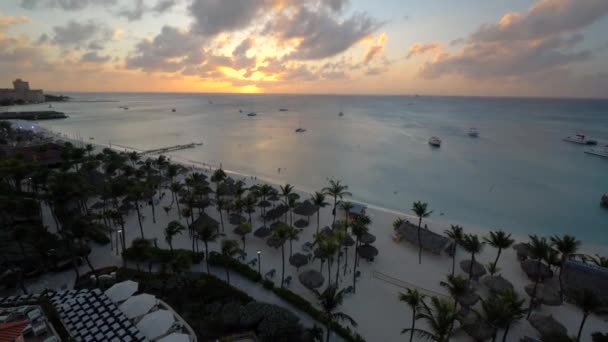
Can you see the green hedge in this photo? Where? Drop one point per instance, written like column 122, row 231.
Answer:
column 287, row 295
column 162, row 256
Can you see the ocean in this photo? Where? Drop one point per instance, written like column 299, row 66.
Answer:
column 518, row 175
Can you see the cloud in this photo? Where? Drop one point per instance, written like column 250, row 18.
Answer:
column 164, row 5
column 320, row 34
column 7, row 21
column 134, row 13
column 94, row 57
column 421, row 49
column 336, row 5
column 375, row 50
column 544, row 38
column 457, row 41
column 66, row 5
column 75, row 34
column 215, row 16
column 241, row 61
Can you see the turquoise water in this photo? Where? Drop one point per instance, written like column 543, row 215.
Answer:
column 518, row 175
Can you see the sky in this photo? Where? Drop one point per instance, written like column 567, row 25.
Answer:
column 548, row 48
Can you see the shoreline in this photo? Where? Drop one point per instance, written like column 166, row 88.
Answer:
column 434, row 224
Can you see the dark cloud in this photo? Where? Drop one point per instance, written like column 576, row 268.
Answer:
column 77, row 34
column 336, row 5
column 94, row 57
column 214, row 16
column 134, row 13
column 321, row 34
column 66, row 5
column 164, row 5
column 240, row 59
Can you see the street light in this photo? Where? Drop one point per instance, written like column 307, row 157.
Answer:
column 260, row 263
column 119, row 236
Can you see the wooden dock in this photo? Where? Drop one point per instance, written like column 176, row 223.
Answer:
column 171, row 148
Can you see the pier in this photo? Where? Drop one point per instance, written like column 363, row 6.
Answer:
column 171, row 148
column 37, row 115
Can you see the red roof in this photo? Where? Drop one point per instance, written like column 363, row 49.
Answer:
column 9, row 332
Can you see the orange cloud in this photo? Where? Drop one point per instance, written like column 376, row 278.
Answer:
column 421, row 49
column 375, row 50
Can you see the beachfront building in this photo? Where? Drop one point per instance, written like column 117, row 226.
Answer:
column 21, row 92
column 23, row 318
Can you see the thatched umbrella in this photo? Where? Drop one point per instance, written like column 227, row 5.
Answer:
column 468, row 299
column 204, row 220
column 301, row 223
column 327, row 231
column 546, row 295
column 311, row 279
column 479, row 330
column 298, row 260
column 262, row 232
column 523, row 249
column 478, row 269
column 306, row 208
column 236, row 219
column 277, row 212
column 274, row 198
column 533, row 271
column 367, row 251
column 367, row 238
column 276, row 225
column 264, row 204
column 274, row 242
column 497, row 283
column 547, row 325
column 348, row 241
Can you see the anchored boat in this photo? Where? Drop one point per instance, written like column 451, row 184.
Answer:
column 435, row 142
column 473, row 132
column 599, row 152
column 581, row 139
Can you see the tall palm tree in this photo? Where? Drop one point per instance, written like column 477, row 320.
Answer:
column 328, row 247
column 292, row 203
column 539, row 250
column 318, row 199
column 336, row 190
column 440, row 317
column 340, row 236
column 286, row 190
column 456, row 234
column 513, row 310
column 330, row 301
column 249, row 203
column 220, row 204
column 588, row 301
column 175, row 188
column 359, row 228
column 173, row 228
column 230, row 248
column 293, row 235
column 421, row 211
column 499, row 240
column 207, row 233
column 566, row 246
column 136, row 193
column 473, row 245
column 244, row 229
column 218, row 177
column 457, row 286
column 346, row 207
column 281, row 234
column 414, row 300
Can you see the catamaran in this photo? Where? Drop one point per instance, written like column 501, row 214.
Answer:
column 599, row 152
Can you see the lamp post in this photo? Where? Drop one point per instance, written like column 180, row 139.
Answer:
column 260, row 263
column 119, row 236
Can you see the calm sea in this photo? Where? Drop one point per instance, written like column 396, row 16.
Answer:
column 518, row 175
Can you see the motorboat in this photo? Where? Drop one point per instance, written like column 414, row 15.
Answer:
column 599, row 152
column 434, row 141
column 252, row 114
column 341, row 114
column 173, row 110
column 283, row 109
column 581, row 139
column 473, row 132
column 300, row 130
column 605, row 200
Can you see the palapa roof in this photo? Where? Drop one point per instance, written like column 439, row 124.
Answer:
column 431, row 241
column 547, row 325
column 311, row 279
column 478, row 269
column 532, row 270
column 204, row 220
column 298, row 260
column 306, row 208
column 497, row 283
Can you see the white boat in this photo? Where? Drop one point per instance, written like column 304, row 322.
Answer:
column 599, row 152
column 580, row 139
column 252, row 114
column 473, row 132
column 434, row 141
column 300, row 130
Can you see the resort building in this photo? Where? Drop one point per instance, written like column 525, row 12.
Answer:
column 21, row 92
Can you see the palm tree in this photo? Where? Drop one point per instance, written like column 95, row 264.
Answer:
column 601, row 261
column 218, row 176
column 346, row 207
column 293, row 235
column 340, row 236
column 420, row 209
column 330, row 300
column 539, row 250
column 175, row 188
column 318, row 199
column 499, row 240
column 588, row 301
column 292, row 203
column 566, row 246
column 440, row 318
column 220, row 204
column 244, row 229
column 336, row 190
column 250, row 202
column 359, row 228
column 173, row 228
column 414, row 299
column 281, row 234
column 471, row 244
column 286, row 190
column 207, row 233
column 229, row 249
column 398, row 222
column 457, row 287
column 513, row 310
column 328, row 247
column 456, row 234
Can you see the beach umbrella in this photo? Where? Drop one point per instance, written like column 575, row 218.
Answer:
column 306, row 208
column 533, row 271
column 479, row 330
column 175, row 337
column 274, row 198
column 547, row 325
column 546, row 295
column 236, row 219
column 138, row 305
column 264, row 204
column 523, row 250
column 301, row 223
column 348, row 241
column 276, row 225
column 156, row 324
column 273, row 242
column 468, row 299
column 262, row 232
column 497, row 283
column 311, row 279
column 478, row 269
column 298, row 260
column 367, row 251
column 367, row 238
column 121, row 291
column 204, row 220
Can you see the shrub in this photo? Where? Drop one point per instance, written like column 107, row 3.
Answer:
column 218, row 259
column 98, row 237
column 268, row 284
column 158, row 255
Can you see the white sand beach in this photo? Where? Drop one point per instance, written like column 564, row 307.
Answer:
column 375, row 305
